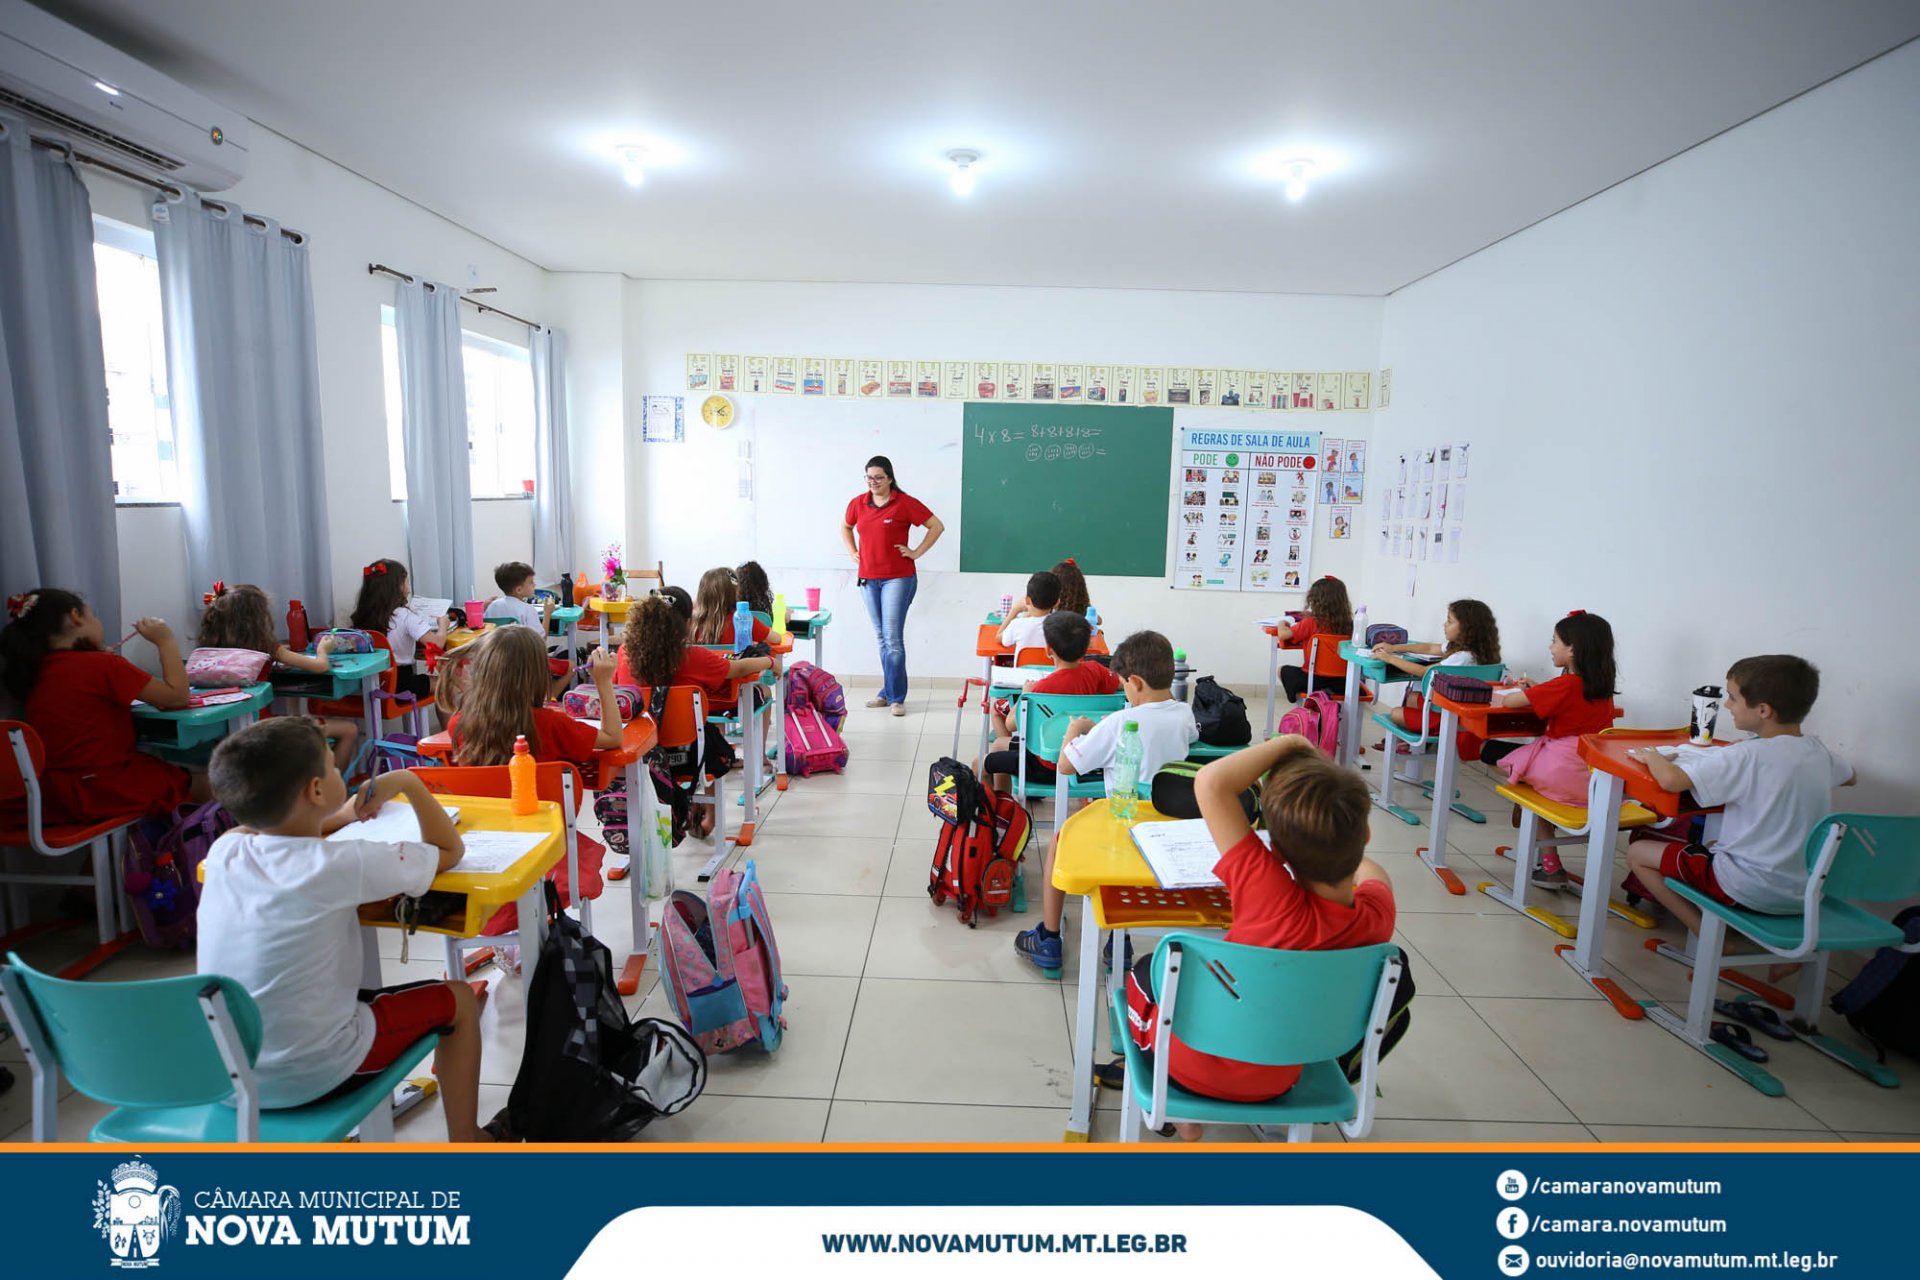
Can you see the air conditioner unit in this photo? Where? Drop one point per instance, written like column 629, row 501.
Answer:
column 70, row 86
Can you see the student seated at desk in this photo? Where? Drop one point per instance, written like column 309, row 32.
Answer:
column 755, row 589
column 1024, row 628
column 1144, row 665
column 1073, row 589
column 1472, row 640
column 79, row 698
column 278, row 916
column 1578, row 701
column 501, row 697
column 1329, row 613
column 516, row 601
column 242, row 618
column 1314, row 890
column 1775, row 787
column 1068, row 635
column 382, row 606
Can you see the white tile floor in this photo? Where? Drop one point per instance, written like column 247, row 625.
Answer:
column 906, row 1026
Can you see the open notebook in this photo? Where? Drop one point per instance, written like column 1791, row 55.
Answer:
column 1181, row 854
column 486, row 851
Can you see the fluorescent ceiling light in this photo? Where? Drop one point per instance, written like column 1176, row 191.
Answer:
column 962, row 177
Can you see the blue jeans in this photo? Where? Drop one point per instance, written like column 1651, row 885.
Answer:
column 887, row 601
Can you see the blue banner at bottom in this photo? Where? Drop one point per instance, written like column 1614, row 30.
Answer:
column 1334, row 1212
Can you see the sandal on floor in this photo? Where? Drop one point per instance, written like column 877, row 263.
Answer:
column 1738, row 1039
column 1760, row 1017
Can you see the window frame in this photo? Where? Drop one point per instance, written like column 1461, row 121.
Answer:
column 125, row 237
column 470, row 341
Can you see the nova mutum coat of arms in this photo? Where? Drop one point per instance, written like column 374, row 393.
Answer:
column 135, row 1213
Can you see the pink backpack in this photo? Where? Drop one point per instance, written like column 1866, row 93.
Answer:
column 583, row 703
column 808, row 685
column 813, row 745
column 720, row 964
column 1316, row 718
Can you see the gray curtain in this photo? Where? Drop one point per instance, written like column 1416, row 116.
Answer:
column 243, row 372
column 56, row 461
column 433, row 400
column 552, row 468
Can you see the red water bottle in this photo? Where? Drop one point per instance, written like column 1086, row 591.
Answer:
column 297, row 631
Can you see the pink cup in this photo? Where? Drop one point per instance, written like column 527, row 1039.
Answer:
column 476, row 614
column 813, row 598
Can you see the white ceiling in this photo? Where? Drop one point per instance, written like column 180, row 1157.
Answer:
column 1118, row 136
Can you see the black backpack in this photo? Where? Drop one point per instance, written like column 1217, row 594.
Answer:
column 588, row 1072
column 1883, row 1002
column 1220, row 714
column 1173, row 793
column 1399, row 1018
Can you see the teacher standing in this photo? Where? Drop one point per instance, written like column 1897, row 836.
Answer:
column 882, row 517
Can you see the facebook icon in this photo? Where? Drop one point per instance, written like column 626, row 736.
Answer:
column 1512, row 1223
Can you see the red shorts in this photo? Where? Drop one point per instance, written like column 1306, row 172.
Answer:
column 401, row 1016
column 1692, row 865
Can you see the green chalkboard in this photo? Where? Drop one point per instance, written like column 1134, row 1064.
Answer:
column 1042, row 482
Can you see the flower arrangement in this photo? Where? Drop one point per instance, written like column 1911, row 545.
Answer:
column 616, row 572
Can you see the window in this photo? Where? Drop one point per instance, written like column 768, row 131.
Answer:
column 499, row 413
column 139, row 415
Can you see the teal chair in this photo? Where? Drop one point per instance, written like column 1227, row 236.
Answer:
column 1207, row 751
column 175, row 1057
column 1851, row 857
column 1265, row 1006
column 1041, row 719
column 1417, row 749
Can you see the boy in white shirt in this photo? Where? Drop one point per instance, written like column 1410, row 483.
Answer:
column 1025, row 627
column 515, row 580
column 1775, row 787
column 1144, row 663
column 277, row 915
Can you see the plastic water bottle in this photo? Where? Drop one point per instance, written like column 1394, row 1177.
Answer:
column 1360, row 627
column 1093, row 618
column 1181, row 674
column 523, row 790
column 742, row 626
column 779, row 611
column 566, row 592
column 1123, row 775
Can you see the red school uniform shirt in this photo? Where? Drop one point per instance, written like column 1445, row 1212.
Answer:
column 702, row 667
column 1086, row 678
column 557, row 737
column 1272, row 909
column 1568, row 711
column 882, row 530
column 81, row 706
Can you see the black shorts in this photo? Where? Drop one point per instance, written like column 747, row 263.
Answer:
column 1008, row 762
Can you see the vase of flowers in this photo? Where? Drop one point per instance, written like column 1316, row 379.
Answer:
column 616, row 574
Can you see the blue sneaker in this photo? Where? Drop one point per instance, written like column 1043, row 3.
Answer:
column 1044, row 952
column 1106, row 956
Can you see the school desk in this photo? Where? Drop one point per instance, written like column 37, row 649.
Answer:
column 637, row 737
column 565, row 621
column 614, row 615
column 177, row 732
column 809, row 624
column 349, row 675
column 1272, row 630
column 1098, row 861
column 987, row 647
column 1486, row 720
column 1362, row 665
column 1616, row 777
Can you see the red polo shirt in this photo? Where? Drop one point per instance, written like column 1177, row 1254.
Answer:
column 883, row 530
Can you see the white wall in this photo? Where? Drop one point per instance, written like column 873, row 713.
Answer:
column 809, row 453
column 591, row 309
column 350, row 222
column 1691, row 401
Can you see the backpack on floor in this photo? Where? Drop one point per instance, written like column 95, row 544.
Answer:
column 1316, row 717
column 1883, row 1002
column 1220, row 714
column 161, row 871
column 808, row 685
column 1173, row 794
column 395, row 752
column 588, row 1073
column 583, row 703
column 983, row 834
column 812, row 744
column 1399, row 1018
column 721, row 965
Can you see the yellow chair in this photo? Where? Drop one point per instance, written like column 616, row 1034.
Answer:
column 1570, row 821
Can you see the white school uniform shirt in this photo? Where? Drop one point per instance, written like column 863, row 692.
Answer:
column 1025, row 632
column 404, row 630
column 1166, row 731
column 1774, row 790
column 524, row 612
column 277, row 916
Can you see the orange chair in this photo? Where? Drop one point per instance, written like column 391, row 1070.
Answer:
column 682, row 728
column 23, row 826
column 1033, row 656
column 553, row 781
column 1324, row 664
column 393, row 704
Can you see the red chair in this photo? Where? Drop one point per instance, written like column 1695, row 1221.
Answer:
column 553, row 781
column 23, row 826
column 393, row 704
column 1324, row 664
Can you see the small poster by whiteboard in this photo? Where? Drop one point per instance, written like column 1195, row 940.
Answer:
column 662, row 421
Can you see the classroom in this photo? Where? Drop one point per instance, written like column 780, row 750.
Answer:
column 368, row 364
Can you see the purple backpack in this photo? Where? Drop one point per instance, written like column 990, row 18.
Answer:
column 161, row 870
column 812, row 744
column 1316, row 718
column 808, row 685
column 720, row 964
